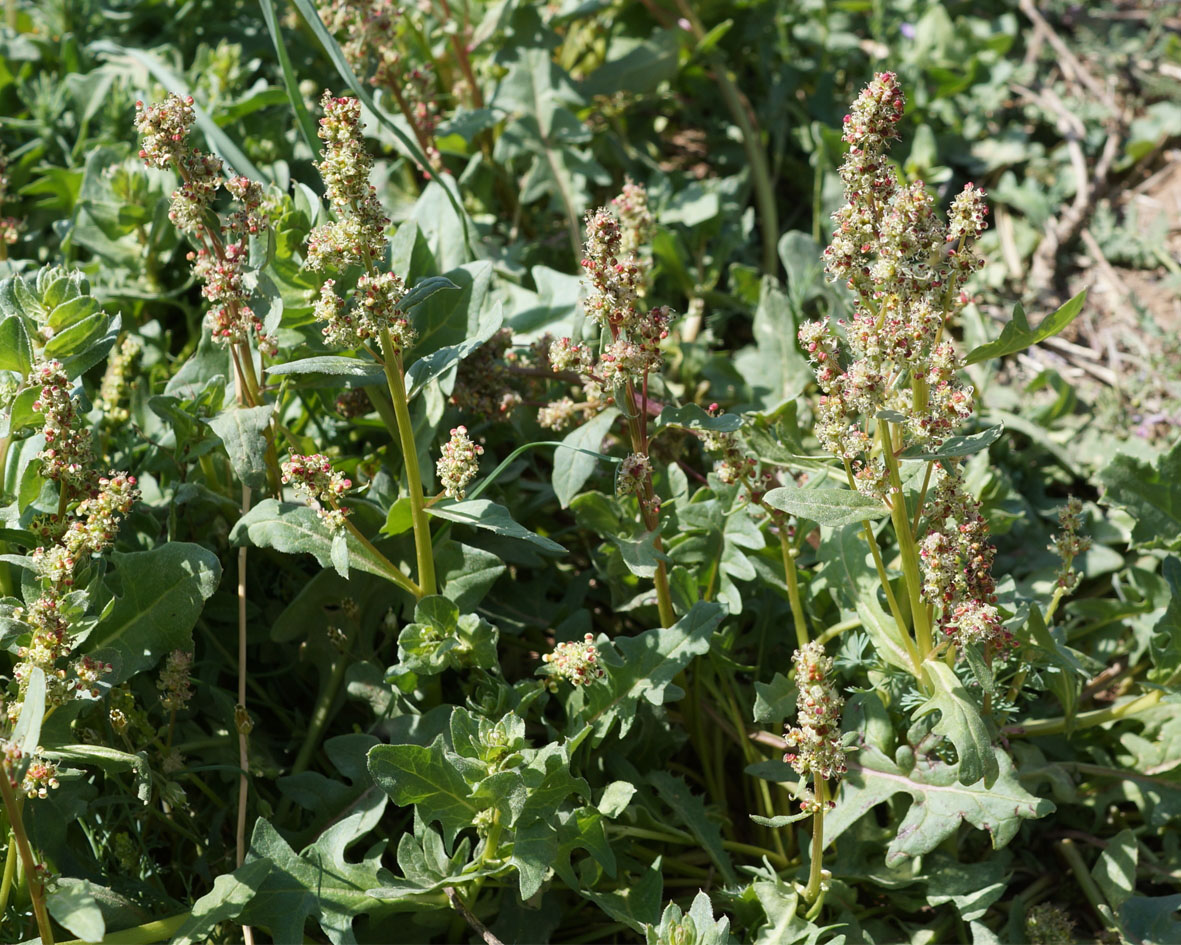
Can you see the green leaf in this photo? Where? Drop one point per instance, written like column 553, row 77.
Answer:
column 960, row 722
column 1151, row 494
column 26, row 734
column 110, row 760
column 440, row 638
column 445, row 319
column 775, row 368
column 649, row 663
column 637, row 903
column 16, row 351
column 674, row 924
column 616, row 796
column 242, row 430
column 957, row 446
column 318, row 883
column 1017, row 335
column 826, row 506
column 1152, row 919
column 940, row 801
column 74, row 907
column 298, row 529
column 158, row 596
column 466, row 573
column 693, row 417
column 573, row 467
column 1165, row 643
column 231, row 893
column 482, row 513
column 781, row 820
column 1115, row 870
column 307, row 124
column 427, row 778
column 776, row 700
column 76, row 339
column 438, row 362
column 970, row 887
column 690, row 809
column 332, row 366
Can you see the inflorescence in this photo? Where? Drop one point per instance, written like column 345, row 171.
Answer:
column 815, row 742
column 576, row 661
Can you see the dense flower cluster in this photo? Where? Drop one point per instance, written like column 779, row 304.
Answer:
column 174, row 683
column 1068, row 543
column 956, row 558
column 369, row 35
column 482, row 380
column 220, row 260
column 575, row 661
column 635, row 219
column 92, row 507
column 907, row 270
column 357, row 236
column 33, row 775
column 113, row 390
column 1048, row 924
column 314, row 477
column 459, row 463
column 815, row 741
column 633, row 473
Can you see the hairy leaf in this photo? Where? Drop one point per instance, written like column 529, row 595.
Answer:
column 1152, row 494
column 826, row 506
column 961, row 723
column 1017, row 335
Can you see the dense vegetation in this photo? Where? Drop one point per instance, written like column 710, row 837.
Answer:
column 587, row 472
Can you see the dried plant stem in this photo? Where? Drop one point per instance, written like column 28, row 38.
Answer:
column 12, row 805
column 241, row 717
column 395, row 379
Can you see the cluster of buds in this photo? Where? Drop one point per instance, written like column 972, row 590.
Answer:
column 634, row 472
column 89, row 531
column 907, row 270
column 1068, row 544
column 66, row 456
column 1048, row 924
column 482, row 380
column 314, row 477
column 635, row 219
column 38, row 776
column 459, row 463
column 175, row 681
column 10, row 227
column 576, row 661
column 113, row 390
column 816, row 739
column 220, row 260
column 956, row 558
column 368, row 30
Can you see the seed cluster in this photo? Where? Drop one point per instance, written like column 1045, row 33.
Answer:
column 175, row 684
column 1068, row 544
column 459, row 463
column 576, row 661
column 815, row 741
column 113, row 391
column 314, row 477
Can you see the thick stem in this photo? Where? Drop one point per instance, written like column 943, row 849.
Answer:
column 815, row 872
column 17, row 825
column 9, row 873
column 1112, row 713
column 241, row 717
column 392, row 363
column 791, row 574
column 906, row 547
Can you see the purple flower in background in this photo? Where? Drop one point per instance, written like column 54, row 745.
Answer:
column 907, row 30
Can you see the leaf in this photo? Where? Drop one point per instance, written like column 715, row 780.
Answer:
column 616, row 796
column 26, row 734
column 1115, row 870
column 231, row 893
column 158, row 596
column 1151, row 494
column 691, row 811
column 331, row 366
column 957, row 446
column 440, row 638
column 960, row 722
column 75, row 908
column 1017, row 335
column 242, row 431
column 970, row 887
column 782, row 820
column 427, row 778
column 482, row 513
column 110, row 760
column 636, row 904
column 452, row 318
column 693, row 417
column 16, row 351
column 776, row 700
column 826, row 506
column 573, row 467
column 705, row 929
column 940, row 801
column 317, row 883
column 466, row 573
column 427, row 368
column 1165, row 643
column 650, row 661
column 1151, row 919
column 298, row 529
column 775, row 368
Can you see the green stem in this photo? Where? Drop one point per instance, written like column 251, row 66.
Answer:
column 387, row 566
column 319, row 717
column 906, row 546
column 392, row 363
column 17, row 826
column 9, row 873
column 793, row 587
column 1089, row 887
column 1112, row 713
column 159, row 930
column 815, row 872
